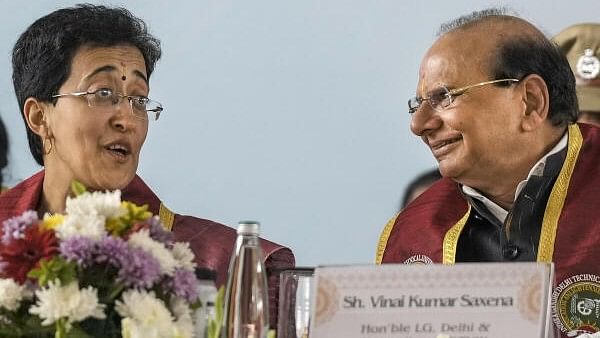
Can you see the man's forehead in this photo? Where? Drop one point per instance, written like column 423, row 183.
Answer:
column 455, row 59
column 434, row 72
column 441, row 68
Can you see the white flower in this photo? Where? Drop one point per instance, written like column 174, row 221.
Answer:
column 106, row 204
column 145, row 316
column 142, row 240
column 87, row 213
column 85, row 225
column 183, row 314
column 133, row 329
column 184, row 255
column 11, row 294
column 70, row 302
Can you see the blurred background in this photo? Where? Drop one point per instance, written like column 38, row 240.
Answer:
column 292, row 113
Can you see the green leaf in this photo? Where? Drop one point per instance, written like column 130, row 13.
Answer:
column 20, row 323
column 55, row 268
column 116, row 291
column 212, row 329
column 214, row 324
column 271, row 334
column 196, row 305
column 9, row 331
column 61, row 330
column 78, row 188
column 219, row 305
column 133, row 214
column 77, row 332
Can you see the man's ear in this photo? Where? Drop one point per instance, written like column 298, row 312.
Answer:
column 34, row 112
column 537, row 103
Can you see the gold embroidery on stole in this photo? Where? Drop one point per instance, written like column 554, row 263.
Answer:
column 167, row 217
column 383, row 238
column 451, row 239
column 557, row 197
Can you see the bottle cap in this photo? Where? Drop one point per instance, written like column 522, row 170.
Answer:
column 248, row 228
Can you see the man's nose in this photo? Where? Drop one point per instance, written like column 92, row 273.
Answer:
column 424, row 119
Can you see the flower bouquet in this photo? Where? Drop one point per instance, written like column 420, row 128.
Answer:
column 106, row 268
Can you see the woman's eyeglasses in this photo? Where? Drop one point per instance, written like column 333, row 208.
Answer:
column 141, row 106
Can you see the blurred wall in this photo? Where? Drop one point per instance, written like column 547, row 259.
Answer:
column 292, row 112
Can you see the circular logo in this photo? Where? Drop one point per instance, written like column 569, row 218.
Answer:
column 588, row 65
column 418, row 259
column 576, row 304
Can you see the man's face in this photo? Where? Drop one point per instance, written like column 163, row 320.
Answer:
column 474, row 138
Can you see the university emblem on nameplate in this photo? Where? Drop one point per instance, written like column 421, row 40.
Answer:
column 576, row 304
column 418, row 259
column 588, row 65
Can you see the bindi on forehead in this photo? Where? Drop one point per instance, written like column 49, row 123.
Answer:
column 124, row 71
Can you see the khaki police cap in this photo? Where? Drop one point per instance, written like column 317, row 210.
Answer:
column 581, row 44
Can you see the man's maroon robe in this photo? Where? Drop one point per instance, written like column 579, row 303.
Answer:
column 428, row 229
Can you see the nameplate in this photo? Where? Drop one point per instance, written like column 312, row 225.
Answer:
column 469, row 300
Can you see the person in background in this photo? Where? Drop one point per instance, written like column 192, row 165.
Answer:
column 581, row 44
column 82, row 79
column 496, row 105
column 3, row 154
column 414, row 189
column 418, row 185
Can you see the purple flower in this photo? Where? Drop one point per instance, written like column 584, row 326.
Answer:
column 14, row 228
column 184, row 284
column 136, row 267
column 112, row 251
column 158, row 232
column 139, row 269
column 78, row 249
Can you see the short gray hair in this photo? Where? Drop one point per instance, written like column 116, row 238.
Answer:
column 474, row 18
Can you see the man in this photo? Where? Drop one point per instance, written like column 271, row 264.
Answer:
column 496, row 105
column 581, row 44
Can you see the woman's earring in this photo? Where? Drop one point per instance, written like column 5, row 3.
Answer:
column 47, row 149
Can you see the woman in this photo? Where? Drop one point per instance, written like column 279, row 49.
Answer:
column 81, row 76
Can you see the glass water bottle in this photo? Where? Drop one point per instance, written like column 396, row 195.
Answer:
column 246, row 298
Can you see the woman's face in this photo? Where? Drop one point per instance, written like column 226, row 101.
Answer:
column 97, row 145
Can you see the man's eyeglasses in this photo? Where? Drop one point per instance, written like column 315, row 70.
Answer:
column 141, row 106
column 441, row 98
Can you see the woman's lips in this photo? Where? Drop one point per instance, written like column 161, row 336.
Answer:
column 120, row 152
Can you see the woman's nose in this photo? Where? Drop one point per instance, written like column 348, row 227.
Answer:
column 124, row 118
